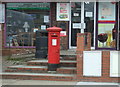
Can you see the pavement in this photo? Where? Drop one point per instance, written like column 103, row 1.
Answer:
column 35, row 82
column 67, row 83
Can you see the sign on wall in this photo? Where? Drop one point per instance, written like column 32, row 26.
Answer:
column 63, row 11
column 2, row 13
column 92, row 64
column 114, row 64
column 63, row 33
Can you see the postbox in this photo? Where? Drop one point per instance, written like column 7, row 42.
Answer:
column 53, row 48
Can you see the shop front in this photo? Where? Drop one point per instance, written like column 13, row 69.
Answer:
column 19, row 22
column 23, row 19
column 98, row 18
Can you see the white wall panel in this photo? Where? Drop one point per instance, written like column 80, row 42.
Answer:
column 92, row 63
column 114, row 64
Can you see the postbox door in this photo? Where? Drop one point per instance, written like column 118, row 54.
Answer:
column 55, row 46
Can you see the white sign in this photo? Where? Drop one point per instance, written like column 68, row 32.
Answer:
column 63, row 11
column 36, row 29
column 88, row 14
column 114, row 64
column 2, row 13
column 63, row 33
column 92, row 63
column 46, row 19
column 43, row 27
column 76, row 14
column 54, row 42
column 77, row 25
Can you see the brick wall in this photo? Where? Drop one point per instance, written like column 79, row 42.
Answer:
column 12, row 51
column 81, row 40
column 105, row 64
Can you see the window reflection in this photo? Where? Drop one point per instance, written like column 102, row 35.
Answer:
column 22, row 19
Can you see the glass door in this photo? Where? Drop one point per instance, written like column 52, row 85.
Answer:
column 82, row 20
column 75, row 21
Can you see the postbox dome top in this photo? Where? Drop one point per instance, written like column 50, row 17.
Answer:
column 57, row 29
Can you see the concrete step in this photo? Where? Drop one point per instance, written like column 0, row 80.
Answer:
column 68, row 57
column 40, row 69
column 38, row 76
column 67, row 52
column 62, row 57
column 44, row 62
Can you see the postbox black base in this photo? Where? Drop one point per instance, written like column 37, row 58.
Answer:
column 53, row 67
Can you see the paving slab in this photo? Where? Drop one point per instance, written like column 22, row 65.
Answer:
column 36, row 82
column 97, row 83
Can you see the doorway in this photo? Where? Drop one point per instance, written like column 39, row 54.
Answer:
column 82, row 20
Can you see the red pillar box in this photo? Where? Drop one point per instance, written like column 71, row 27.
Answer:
column 53, row 48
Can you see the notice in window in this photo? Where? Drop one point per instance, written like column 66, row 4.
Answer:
column 63, row 11
column 43, row 27
column 106, row 11
column 88, row 14
column 76, row 14
column 76, row 25
column 46, row 19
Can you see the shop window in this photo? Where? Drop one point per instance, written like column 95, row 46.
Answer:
column 23, row 20
column 106, row 25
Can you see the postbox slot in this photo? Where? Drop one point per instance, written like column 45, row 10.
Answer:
column 54, row 35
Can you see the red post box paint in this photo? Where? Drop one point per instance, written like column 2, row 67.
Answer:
column 53, row 48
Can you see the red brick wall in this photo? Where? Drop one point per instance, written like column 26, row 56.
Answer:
column 81, row 40
column 105, row 65
column 11, row 51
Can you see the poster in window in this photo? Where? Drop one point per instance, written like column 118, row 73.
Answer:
column 63, row 11
column 106, row 11
column 106, row 36
column 106, row 25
